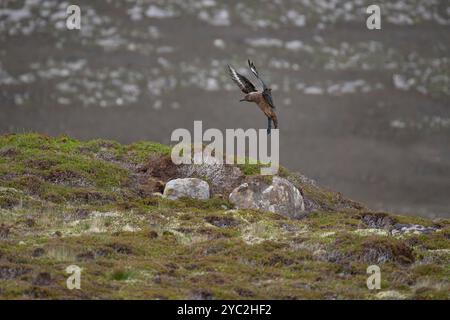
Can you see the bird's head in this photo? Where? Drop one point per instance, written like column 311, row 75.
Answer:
column 246, row 98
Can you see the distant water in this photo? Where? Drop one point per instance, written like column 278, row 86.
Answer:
column 363, row 112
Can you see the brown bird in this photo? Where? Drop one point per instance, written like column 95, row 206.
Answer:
column 262, row 98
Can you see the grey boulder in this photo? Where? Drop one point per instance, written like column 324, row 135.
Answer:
column 187, row 187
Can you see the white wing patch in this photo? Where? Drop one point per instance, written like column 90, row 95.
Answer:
column 235, row 76
column 253, row 69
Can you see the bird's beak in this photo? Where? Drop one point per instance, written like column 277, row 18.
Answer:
column 241, row 100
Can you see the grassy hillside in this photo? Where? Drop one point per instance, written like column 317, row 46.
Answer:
column 93, row 204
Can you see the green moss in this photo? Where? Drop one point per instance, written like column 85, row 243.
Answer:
column 334, row 221
column 122, row 275
column 139, row 152
column 98, row 145
column 34, row 141
column 250, row 169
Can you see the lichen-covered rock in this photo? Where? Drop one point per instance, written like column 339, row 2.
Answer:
column 187, row 187
column 281, row 196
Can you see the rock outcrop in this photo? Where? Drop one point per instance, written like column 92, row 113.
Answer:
column 280, row 196
column 222, row 178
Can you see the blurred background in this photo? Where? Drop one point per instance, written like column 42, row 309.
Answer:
column 364, row 112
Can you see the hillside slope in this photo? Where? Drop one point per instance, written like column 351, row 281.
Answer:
column 95, row 204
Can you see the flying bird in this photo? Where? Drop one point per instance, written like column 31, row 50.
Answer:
column 262, row 98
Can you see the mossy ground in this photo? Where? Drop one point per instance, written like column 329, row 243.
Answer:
column 65, row 202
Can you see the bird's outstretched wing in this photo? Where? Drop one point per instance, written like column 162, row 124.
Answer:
column 243, row 83
column 266, row 91
column 255, row 72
